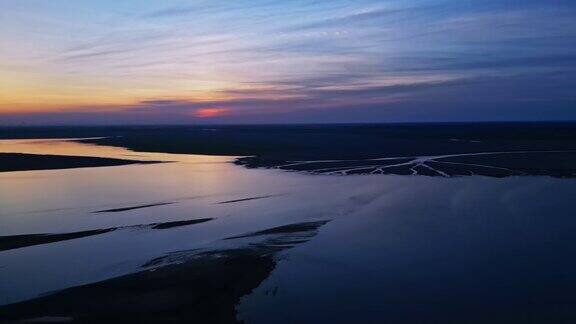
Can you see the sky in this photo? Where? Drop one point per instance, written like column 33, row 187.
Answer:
column 293, row 61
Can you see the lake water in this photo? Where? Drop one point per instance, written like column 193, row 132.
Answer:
column 396, row 249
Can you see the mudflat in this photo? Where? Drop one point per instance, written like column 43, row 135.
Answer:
column 27, row 162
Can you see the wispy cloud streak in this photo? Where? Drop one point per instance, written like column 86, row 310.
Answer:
column 257, row 58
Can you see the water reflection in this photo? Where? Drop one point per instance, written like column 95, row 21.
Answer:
column 71, row 146
column 397, row 248
column 65, row 201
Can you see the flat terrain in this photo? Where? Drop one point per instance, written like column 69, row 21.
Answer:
column 212, row 282
column 213, row 242
column 459, row 149
column 25, row 162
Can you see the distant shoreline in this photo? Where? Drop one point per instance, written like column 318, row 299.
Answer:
column 430, row 149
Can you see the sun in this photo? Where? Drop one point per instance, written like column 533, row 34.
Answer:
column 210, row 112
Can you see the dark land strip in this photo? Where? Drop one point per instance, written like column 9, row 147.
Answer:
column 246, row 199
column 11, row 242
column 280, row 146
column 167, row 225
column 26, row 162
column 117, row 210
column 559, row 164
column 452, row 149
column 285, row 229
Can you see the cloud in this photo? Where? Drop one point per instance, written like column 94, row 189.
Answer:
column 170, row 12
column 163, row 102
column 373, row 18
column 264, row 57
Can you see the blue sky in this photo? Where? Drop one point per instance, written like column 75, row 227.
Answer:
column 262, row 61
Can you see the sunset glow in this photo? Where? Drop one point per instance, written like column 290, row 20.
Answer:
column 210, row 112
column 297, row 161
column 106, row 61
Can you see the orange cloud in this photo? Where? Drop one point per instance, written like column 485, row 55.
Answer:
column 210, row 112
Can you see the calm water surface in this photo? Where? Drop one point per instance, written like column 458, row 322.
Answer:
column 447, row 248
